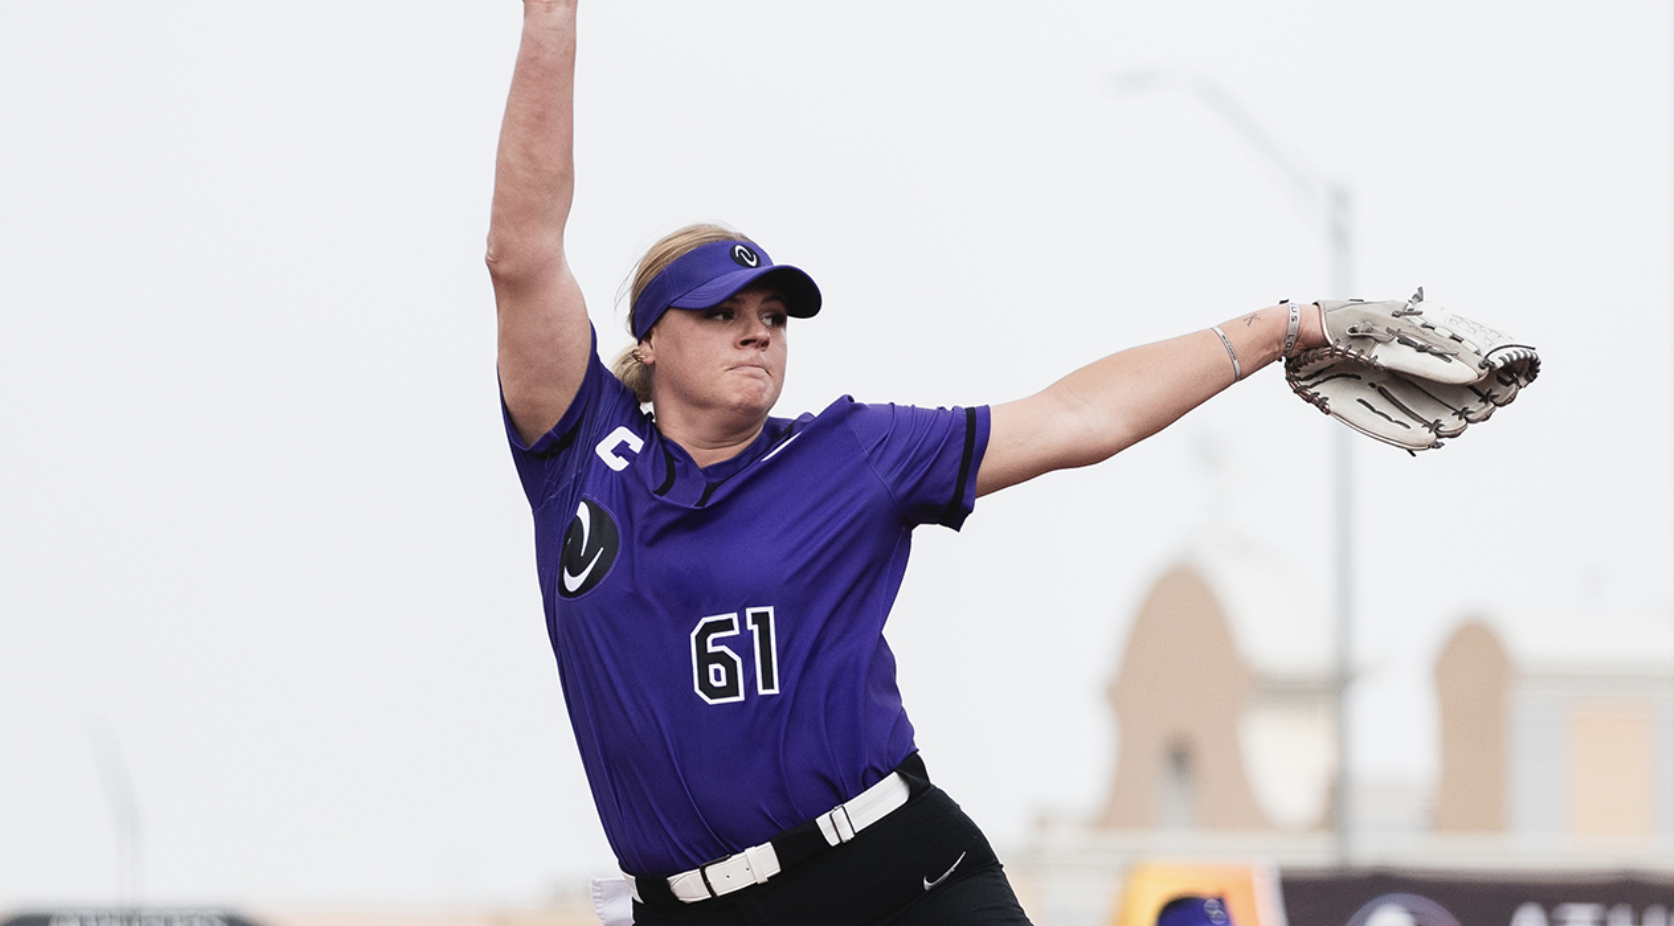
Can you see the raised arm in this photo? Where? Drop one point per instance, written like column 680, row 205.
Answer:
column 1110, row 404
column 544, row 338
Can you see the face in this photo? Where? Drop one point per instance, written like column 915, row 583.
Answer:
column 730, row 358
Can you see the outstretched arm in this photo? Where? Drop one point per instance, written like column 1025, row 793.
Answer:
column 1111, row 404
column 544, row 338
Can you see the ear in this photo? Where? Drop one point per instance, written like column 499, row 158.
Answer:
column 645, row 351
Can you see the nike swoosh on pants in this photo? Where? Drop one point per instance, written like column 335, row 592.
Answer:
column 928, row 884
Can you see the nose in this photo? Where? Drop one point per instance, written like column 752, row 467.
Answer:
column 755, row 333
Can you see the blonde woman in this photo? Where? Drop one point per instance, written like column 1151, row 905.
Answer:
column 717, row 579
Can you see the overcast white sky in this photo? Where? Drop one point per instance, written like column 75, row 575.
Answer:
column 258, row 522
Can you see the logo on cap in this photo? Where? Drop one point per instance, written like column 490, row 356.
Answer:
column 745, row 256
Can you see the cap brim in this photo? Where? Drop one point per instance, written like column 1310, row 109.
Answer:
column 802, row 296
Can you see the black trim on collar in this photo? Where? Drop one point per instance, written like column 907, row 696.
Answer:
column 565, row 439
column 708, row 490
column 668, row 465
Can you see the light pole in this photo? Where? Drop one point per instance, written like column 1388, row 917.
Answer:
column 124, row 812
column 1327, row 203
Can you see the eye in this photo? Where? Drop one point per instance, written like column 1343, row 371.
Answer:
column 775, row 319
column 719, row 313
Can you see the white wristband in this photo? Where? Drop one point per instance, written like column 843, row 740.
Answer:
column 1292, row 329
column 1237, row 372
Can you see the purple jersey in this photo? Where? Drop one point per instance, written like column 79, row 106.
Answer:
column 719, row 630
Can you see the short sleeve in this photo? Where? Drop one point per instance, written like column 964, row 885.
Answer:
column 556, row 457
column 927, row 457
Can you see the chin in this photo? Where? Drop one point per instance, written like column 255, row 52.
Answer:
column 758, row 403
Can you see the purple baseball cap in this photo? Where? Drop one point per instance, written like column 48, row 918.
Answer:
column 710, row 274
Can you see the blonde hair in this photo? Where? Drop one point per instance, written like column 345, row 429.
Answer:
column 626, row 366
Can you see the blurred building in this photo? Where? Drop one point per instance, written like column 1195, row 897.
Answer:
column 1556, row 747
column 1224, row 703
column 1557, row 735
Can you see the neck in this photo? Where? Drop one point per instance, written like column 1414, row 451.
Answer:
column 711, row 444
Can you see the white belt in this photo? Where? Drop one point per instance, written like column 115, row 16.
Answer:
column 758, row 863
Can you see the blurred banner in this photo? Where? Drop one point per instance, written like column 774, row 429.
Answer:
column 1524, row 899
column 127, row 917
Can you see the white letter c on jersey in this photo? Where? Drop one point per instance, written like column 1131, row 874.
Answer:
column 607, row 447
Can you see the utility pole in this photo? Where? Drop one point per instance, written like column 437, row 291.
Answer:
column 1329, row 204
column 124, row 812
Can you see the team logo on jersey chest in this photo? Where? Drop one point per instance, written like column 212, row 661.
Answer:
column 590, row 546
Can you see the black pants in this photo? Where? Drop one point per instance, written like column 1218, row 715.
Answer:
column 926, row 864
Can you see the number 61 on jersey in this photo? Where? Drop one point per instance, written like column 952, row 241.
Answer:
column 718, row 672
